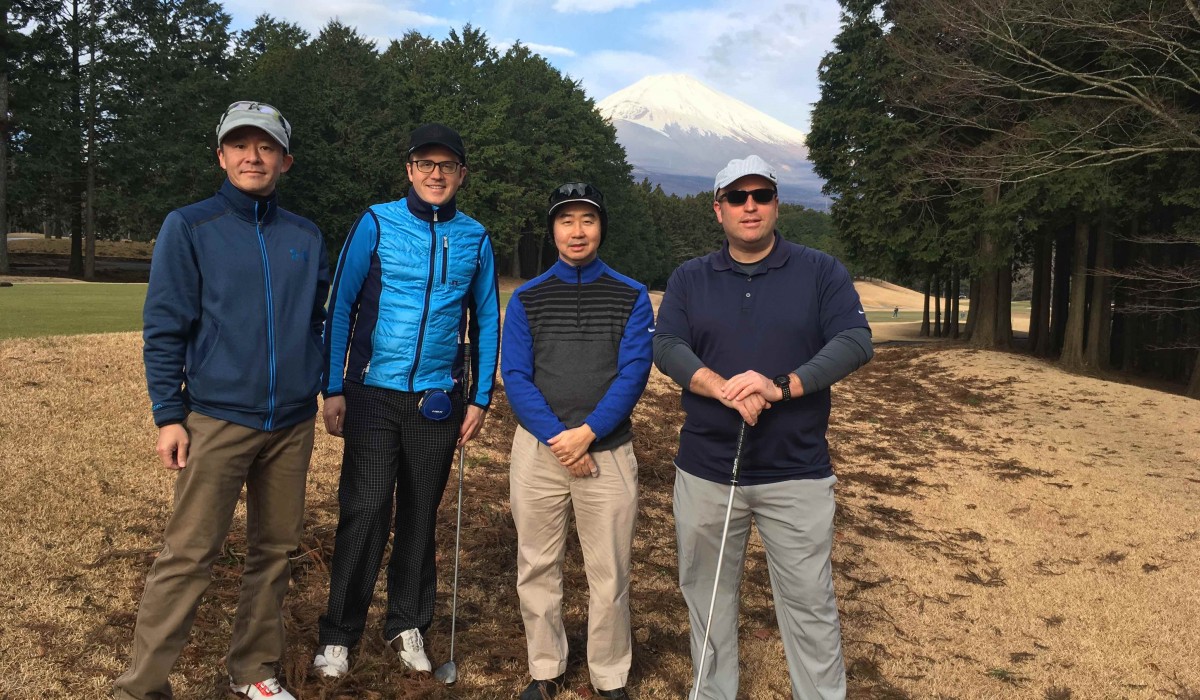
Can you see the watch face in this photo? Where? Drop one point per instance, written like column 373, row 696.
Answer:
column 782, row 381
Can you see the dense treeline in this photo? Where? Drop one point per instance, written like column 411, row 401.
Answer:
column 968, row 140
column 112, row 107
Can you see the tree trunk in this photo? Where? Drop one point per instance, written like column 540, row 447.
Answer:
column 936, row 285
column 972, row 307
column 955, row 291
column 1193, row 390
column 983, row 309
column 925, row 315
column 89, row 229
column 1004, row 332
column 1039, row 309
column 514, row 268
column 74, row 206
column 4, row 127
column 1099, row 340
column 1072, row 353
column 1061, row 290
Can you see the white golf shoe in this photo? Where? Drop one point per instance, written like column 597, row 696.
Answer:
column 332, row 661
column 262, row 690
column 411, row 648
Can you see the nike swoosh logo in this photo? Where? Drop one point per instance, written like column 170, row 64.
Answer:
column 650, row 329
column 863, row 313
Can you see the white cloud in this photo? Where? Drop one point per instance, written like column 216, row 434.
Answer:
column 594, row 6
column 391, row 19
column 549, row 50
column 542, row 49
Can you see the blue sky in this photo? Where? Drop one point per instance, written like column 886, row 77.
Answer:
column 764, row 53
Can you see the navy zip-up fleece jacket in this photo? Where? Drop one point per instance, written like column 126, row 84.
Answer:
column 576, row 349
column 234, row 313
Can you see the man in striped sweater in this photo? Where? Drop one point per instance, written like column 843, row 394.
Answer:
column 575, row 357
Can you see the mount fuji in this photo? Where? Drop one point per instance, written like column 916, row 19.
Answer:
column 678, row 133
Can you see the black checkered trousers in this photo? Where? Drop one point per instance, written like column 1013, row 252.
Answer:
column 395, row 461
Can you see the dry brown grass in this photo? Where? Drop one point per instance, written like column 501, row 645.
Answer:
column 1005, row 531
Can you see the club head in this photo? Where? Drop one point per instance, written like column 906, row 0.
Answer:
column 446, row 673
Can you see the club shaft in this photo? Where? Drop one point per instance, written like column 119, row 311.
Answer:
column 462, row 453
column 712, row 603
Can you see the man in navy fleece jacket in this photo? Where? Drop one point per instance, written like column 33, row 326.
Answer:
column 233, row 354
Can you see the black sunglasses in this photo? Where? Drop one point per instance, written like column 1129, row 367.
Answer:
column 737, row 198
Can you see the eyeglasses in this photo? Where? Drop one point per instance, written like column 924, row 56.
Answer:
column 737, row 198
column 448, row 167
column 261, row 108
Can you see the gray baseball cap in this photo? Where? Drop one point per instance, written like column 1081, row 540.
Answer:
column 259, row 115
column 741, row 167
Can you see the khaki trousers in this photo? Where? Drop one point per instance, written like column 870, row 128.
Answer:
column 222, row 457
column 605, row 507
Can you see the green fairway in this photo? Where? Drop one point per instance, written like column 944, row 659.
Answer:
column 33, row 310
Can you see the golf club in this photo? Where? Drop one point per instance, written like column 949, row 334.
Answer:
column 737, row 465
column 448, row 672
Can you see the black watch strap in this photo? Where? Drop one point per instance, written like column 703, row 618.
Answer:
column 784, row 382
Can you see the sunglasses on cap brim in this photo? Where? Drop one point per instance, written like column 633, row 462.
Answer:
column 575, row 190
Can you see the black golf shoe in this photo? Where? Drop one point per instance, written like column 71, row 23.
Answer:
column 614, row 694
column 543, row 690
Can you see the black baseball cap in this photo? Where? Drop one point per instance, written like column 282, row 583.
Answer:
column 437, row 135
column 577, row 192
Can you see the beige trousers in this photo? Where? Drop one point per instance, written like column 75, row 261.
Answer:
column 222, row 458
column 605, row 507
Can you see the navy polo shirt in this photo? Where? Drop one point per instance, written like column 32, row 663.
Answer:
column 771, row 322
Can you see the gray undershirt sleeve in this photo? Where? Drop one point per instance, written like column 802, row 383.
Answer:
column 844, row 353
column 675, row 358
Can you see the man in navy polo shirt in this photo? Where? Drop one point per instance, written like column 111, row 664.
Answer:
column 757, row 332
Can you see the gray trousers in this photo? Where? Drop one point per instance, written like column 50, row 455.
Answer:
column 795, row 521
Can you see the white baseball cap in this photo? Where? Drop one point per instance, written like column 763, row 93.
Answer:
column 741, row 167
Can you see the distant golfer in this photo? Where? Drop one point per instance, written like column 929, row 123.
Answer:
column 742, row 354
column 896, row 312
column 233, row 321
column 576, row 356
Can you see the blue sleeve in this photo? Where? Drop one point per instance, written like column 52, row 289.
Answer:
column 353, row 266
column 171, row 310
column 484, row 330
column 516, row 366
column 633, row 369
column 840, row 307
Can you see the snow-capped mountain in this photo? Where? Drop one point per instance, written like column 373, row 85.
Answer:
column 679, row 132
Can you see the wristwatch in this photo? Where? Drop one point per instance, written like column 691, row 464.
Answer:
column 784, row 382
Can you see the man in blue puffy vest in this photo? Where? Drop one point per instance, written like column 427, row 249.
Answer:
column 415, row 278
column 755, row 334
column 234, row 363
